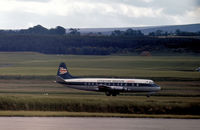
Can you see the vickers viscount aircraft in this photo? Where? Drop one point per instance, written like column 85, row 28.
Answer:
column 111, row 86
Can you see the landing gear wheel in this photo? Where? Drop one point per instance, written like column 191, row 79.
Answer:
column 114, row 94
column 148, row 96
column 108, row 93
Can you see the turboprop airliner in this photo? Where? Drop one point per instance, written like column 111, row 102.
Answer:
column 111, row 86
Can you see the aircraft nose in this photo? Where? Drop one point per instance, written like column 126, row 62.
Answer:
column 158, row 88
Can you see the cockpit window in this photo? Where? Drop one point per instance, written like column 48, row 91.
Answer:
column 154, row 85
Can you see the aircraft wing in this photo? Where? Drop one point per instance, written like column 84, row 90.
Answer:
column 111, row 88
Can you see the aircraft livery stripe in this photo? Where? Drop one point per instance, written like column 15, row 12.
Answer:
column 110, row 84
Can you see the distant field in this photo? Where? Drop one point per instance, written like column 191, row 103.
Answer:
column 157, row 67
column 26, row 83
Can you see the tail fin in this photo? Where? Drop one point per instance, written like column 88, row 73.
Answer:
column 63, row 72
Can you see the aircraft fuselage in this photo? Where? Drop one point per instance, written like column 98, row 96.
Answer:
column 111, row 85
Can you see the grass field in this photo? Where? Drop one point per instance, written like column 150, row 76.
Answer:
column 34, row 64
column 26, row 83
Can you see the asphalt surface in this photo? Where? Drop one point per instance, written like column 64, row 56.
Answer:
column 84, row 123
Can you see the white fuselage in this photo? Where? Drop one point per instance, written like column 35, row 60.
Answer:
column 114, row 84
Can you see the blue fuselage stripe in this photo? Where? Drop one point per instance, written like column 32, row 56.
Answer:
column 111, row 84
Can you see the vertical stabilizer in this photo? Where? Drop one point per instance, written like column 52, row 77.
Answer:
column 63, row 72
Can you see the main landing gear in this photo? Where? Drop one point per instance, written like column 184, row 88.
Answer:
column 109, row 93
column 150, row 94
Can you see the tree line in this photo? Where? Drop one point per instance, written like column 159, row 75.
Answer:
column 87, row 45
column 40, row 30
column 56, row 41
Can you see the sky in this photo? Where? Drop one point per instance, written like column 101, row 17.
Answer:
column 20, row 14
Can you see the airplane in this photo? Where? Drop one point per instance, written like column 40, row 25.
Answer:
column 111, row 86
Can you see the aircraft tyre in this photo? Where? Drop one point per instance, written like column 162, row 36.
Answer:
column 108, row 93
column 148, row 96
column 114, row 94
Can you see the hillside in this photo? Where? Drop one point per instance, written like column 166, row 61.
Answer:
column 173, row 28
column 146, row 29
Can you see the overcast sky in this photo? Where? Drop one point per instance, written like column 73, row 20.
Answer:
column 16, row 14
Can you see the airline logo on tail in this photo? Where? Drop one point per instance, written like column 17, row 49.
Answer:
column 63, row 70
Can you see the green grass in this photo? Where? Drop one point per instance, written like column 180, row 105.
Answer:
column 26, row 78
column 102, row 104
column 157, row 67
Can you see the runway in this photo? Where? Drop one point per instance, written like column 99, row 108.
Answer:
column 85, row 123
